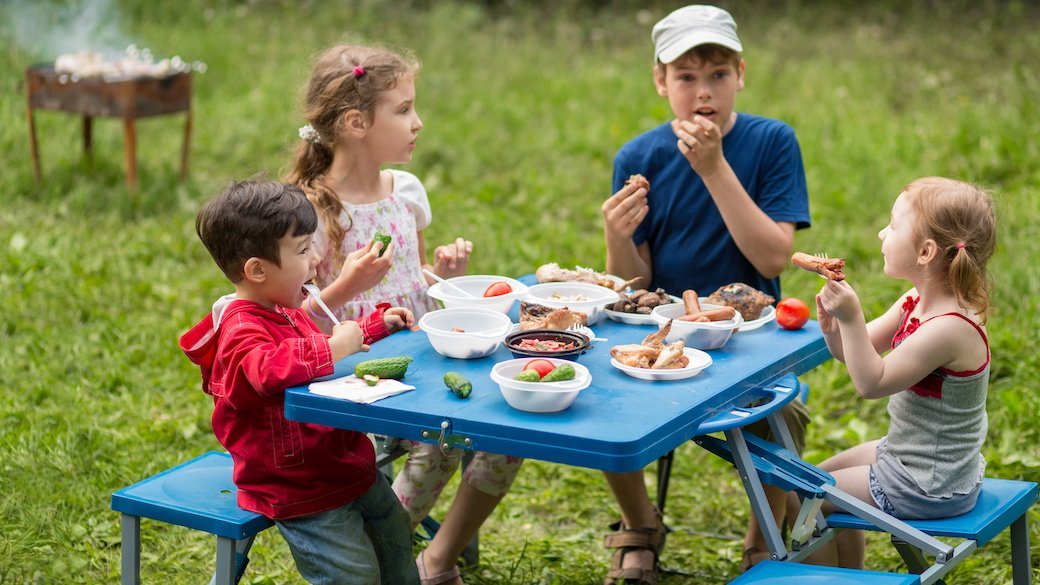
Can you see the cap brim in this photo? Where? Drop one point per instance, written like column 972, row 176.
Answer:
column 678, row 48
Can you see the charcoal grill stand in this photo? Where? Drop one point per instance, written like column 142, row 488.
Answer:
column 127, row 99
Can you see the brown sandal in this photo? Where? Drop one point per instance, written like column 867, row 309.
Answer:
column 631, row 539
column 752, row 556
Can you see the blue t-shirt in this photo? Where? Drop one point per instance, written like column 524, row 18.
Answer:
column 690, row 245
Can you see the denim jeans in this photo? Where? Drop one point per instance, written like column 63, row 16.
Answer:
column 365, row 542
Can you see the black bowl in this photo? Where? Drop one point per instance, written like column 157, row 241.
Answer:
column 581, row 343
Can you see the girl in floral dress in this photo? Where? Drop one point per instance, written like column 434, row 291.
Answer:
column 360, row 108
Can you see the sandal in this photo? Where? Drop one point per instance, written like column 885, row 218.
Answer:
column 626, row 540
column 752, row 556
column 427, row 579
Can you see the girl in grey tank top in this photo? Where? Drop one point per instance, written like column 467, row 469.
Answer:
column 936, row 362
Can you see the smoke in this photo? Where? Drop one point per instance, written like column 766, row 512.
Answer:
column 45, row 29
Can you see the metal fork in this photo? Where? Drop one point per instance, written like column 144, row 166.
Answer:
column 825, row 257
column 575, row 327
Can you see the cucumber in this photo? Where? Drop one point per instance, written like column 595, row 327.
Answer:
column 370, row 379
column 391, row 367
column 382, row 237
column 458, row 384
column 527, row 376
column 561, row 373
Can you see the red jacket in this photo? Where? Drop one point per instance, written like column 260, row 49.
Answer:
column 282, row 468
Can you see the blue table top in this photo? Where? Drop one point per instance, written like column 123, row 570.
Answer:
column 619, row 423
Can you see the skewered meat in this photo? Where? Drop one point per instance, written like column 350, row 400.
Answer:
column 747, row 300
column 832, row 268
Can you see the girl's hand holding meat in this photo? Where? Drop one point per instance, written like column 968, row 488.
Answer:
column 840, row 302
column 700, row 141
column 625, row 210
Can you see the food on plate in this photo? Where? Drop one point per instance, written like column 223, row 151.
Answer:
column 384, row 238
column 560, row 373
column 639, row 180
column 792, row 313
column 747, row 300
column 527, row 376
column 691, row 302
column 652, row 352
column 388, row 367
column 559, row 297
column 457, row 330
column 832, row 268
column 552, row 272
column 540, row 367
column 720, row 314
column 458, row 384
column 498, row 289
column 534, row 344
column 535, row 316
column 641, row 301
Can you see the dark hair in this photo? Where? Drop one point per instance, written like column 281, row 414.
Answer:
column 960, row 217
column 345, row 78
column 248, row 219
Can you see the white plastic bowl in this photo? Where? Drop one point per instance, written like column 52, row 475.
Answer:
column 476, row 285
column 711, row 335
column 483, row 329
column 698, row 361
column 597, row 297
column 539, row 396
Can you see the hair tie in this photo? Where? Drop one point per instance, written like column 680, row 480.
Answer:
column 359, row 71
column 959, row 245
column 308, row 133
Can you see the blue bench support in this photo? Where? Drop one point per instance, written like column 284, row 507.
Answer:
column 1003, row 503
column 788, row 573
column 197, row 494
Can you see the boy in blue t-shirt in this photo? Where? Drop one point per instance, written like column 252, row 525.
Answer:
column 727, row 192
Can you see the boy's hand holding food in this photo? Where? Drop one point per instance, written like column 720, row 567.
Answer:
column 346, row 339
column 700, row 141
column 397, row 318
column 625, row 210
column 452, row 259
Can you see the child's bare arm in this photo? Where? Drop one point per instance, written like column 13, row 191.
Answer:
column 766, row 243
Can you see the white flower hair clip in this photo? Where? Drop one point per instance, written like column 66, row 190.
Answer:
column 308, row 133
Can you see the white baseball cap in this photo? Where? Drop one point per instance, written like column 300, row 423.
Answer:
column 691, row 26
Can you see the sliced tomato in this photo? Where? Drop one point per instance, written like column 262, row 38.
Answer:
column 497, row 289
column 543, row 367
column 792, row 313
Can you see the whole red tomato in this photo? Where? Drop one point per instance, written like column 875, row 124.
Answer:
column 543, row 367
column 497, row 289
column 792, row 313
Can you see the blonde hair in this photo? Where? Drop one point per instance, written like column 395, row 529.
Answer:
column 344, row 78
column 962, row 221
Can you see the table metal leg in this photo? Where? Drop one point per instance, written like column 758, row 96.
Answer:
column 130, row 145
column 225, row 571
column 241, row 560
column 130, row 563
column 756, row 495
column 1021, row 573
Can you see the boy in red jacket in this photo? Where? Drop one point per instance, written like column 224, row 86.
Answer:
column 320, row 485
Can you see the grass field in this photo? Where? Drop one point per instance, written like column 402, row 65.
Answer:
column 524, row 106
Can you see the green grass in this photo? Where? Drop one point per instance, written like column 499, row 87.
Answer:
column 524, row 107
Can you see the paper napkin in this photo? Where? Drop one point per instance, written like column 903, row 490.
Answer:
column 357, row 390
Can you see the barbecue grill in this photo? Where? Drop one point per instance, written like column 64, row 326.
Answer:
column 127, row 98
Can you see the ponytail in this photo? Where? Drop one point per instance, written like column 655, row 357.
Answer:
column 310, row 162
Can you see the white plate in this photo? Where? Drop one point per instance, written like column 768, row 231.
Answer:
column 635, row 318
column 699, row 360
column 768, row 314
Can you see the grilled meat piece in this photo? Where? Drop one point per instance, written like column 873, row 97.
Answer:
column 747, row 300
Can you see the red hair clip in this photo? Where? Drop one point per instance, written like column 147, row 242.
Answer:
column 359, row 71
